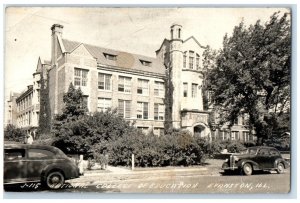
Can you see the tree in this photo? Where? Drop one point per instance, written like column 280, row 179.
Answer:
column 45, row 117
column 69, row 126
column 12, row 133
column 251, row 74
column 78, row 132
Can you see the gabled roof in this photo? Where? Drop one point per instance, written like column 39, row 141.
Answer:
column 192, row 37
column 165, row 41
column 42, row 62
column 124, row 60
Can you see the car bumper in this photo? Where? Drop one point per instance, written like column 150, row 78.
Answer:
column 226, row 167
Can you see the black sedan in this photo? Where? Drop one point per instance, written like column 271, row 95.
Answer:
column 37, row 163
column 256, row 158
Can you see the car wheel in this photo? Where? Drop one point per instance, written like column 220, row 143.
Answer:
column 55, row 180
column 280, row 168
column 247, row 169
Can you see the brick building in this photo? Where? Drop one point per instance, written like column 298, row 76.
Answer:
column 28, row 102
column 11, row 112
column 138, row 86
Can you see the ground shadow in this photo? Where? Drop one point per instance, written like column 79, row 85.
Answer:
column 67, row 187
column 238, row 173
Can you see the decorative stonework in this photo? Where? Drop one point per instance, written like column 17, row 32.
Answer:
column 190, row 118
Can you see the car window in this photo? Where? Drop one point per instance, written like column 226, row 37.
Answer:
column 263, row 152
column 14, row 154
column 39, row 153
column 252, row 151
column 274, row 152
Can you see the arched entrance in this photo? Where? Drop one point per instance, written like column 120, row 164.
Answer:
column 201, row 130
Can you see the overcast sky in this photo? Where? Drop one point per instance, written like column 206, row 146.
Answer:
column 137, row 30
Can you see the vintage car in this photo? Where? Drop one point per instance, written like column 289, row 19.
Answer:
column 256, row 158
column 37, row 163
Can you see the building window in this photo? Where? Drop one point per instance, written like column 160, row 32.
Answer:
column 234, row 135
column 194, row 90
column 145, row 63
column 184, row 60
column 142, row 110
column 104, row 81
column 191, row 60
column 143, row 87
column 29, row 117
column 236, row 121
column 246, row 136
column 244, row 119
column 80, row 77
column 158, row 131
column 124, row 84
column 159, row 111
column 143, row 129
column 103, row 104
column 110, row 56
column 85, row 101
column 159, row 89
column 209, row 97
column 124, row 108
column 185, row 89
column 197, row 61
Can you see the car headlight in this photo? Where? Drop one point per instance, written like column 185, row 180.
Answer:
column 235, row 158
column 226, row 160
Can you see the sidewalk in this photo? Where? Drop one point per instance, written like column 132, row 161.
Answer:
column 212, row 167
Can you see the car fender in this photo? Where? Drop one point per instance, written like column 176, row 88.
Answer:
column 282, row 161
column 53, row 166
column 242, row 162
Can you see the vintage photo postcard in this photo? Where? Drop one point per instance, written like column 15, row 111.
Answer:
column 147, row 100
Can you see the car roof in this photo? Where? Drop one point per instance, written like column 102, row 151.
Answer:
column 30, row 146
column 262, row 147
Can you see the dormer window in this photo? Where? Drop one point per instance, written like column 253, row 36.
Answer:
column 191, row 60
column 145, row 63
column 110, row 56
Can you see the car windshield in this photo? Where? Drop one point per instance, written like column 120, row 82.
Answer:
column 249, row 151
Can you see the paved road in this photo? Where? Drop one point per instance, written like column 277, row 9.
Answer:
column 188, row 183
column 177, row 181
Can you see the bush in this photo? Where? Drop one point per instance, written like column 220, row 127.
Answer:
column 235, row 147
column 12, row 133
column 217, row 146
column 281, row 142
column 179, row 148
column 44, row 139
column 232, row 146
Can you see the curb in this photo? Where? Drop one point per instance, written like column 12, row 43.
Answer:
column 137, row 172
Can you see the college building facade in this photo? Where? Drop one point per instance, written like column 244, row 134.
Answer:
column 137, row 86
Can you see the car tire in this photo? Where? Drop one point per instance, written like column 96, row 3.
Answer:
column 247, row 169
column 280, row 168
column 54, row 180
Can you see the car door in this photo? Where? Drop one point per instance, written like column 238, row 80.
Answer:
column 38, row 159
column 15, row 165
column 263, row 158
column 274, row 155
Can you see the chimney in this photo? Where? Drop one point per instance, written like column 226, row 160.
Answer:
column 57, row 29
column 56, row 32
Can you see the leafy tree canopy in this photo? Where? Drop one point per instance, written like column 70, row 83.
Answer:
column 251, row 73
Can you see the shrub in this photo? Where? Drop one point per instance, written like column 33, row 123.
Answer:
column 250, row 144
column 174, row 149
column 12, row 133
column 235, row 147
column 44, row 139
column 217, row 146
